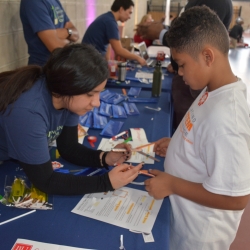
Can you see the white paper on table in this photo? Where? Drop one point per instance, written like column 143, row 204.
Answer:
column 106, row 145
column 82, row 132
column 139, row 135
column 125, row 207
column 35, row 245
column 146, row 75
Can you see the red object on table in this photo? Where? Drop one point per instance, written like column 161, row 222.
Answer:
column 160, row 56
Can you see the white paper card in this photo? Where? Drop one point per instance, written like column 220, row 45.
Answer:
column 22, row 244
column 148, row 237
column 125, row 207
column 106, row 145
column 146, row 75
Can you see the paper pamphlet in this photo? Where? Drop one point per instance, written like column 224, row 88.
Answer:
column 82, row 132
column 139, row 139
column 22, row 244
column 106, row 145
column 125, row 207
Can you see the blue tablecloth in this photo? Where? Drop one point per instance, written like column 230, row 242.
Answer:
column 62, row 227
column 134, row 82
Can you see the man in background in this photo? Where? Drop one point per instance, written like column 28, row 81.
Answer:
column 46, row 27
column 104, row 31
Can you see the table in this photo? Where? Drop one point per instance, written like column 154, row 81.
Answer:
column 166, row 83
column 62, row 227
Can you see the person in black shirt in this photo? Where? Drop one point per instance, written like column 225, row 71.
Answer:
column 236, row 33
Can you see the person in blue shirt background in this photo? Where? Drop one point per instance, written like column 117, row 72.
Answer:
column 104, row 31
column 40, row 104
column 46, row 27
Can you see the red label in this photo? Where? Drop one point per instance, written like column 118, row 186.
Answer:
column 203, row 98
column 20, row 246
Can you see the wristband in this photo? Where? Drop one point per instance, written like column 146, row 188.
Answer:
column 103, row 162
column 70, row 31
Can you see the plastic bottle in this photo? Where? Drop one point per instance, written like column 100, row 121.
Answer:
column 157, row 79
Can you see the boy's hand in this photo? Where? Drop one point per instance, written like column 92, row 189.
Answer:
column 161, row 146
column 159, row 186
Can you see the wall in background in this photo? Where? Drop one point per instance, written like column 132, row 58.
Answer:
column 13, row 48
column 244, row 12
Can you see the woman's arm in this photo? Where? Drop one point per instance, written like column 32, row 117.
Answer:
column 44, row 178
column 72, row 151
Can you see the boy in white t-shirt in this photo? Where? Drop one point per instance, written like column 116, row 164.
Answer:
column 207, row 164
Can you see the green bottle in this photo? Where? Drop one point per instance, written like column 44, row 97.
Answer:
column 157, row 76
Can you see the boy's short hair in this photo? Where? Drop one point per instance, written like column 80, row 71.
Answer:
column 196, row 27
column 125, row 4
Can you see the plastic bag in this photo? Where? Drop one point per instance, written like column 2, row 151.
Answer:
column 117, row 98
column 131, row 108
column 118, row 111
column 99, row 121
column 134, row 91
column 112, row 128
column 20, row 193
column 105, row 109
column 105, row 95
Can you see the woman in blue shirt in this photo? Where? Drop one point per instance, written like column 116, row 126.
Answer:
column 38, row 105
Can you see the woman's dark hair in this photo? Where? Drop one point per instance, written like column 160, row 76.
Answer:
column 73, row 70
column 125, row 4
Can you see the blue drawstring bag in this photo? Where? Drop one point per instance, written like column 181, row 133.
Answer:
column 99, row 121
column 112, row 128
column 118, row 111
column 131, row 108
column 134, row 91
column 105, row 95
column 105, row 109
column 117, row 98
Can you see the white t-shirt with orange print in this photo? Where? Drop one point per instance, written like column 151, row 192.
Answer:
column 210, row 146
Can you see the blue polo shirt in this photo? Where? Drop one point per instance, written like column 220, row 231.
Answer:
column 30, row 124
column 99, row 32
column 39, row 15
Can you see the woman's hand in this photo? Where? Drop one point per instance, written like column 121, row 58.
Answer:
column 123, row 174
column 113, row 158
column 161, row 146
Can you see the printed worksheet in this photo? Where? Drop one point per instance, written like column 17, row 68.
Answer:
column 125, row 207
column 22, row 244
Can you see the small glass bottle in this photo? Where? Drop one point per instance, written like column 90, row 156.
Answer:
column 157, row 78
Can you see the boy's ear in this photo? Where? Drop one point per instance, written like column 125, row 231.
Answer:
column 208, row 56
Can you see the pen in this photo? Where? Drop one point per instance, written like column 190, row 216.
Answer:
column 116, row 136
column 124, row 150
column 145, row 172
column 146, row 145
column 149, row 156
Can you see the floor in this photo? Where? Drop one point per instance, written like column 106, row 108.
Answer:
column 240, row 63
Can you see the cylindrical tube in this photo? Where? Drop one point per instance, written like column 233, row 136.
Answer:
column 122, row 70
